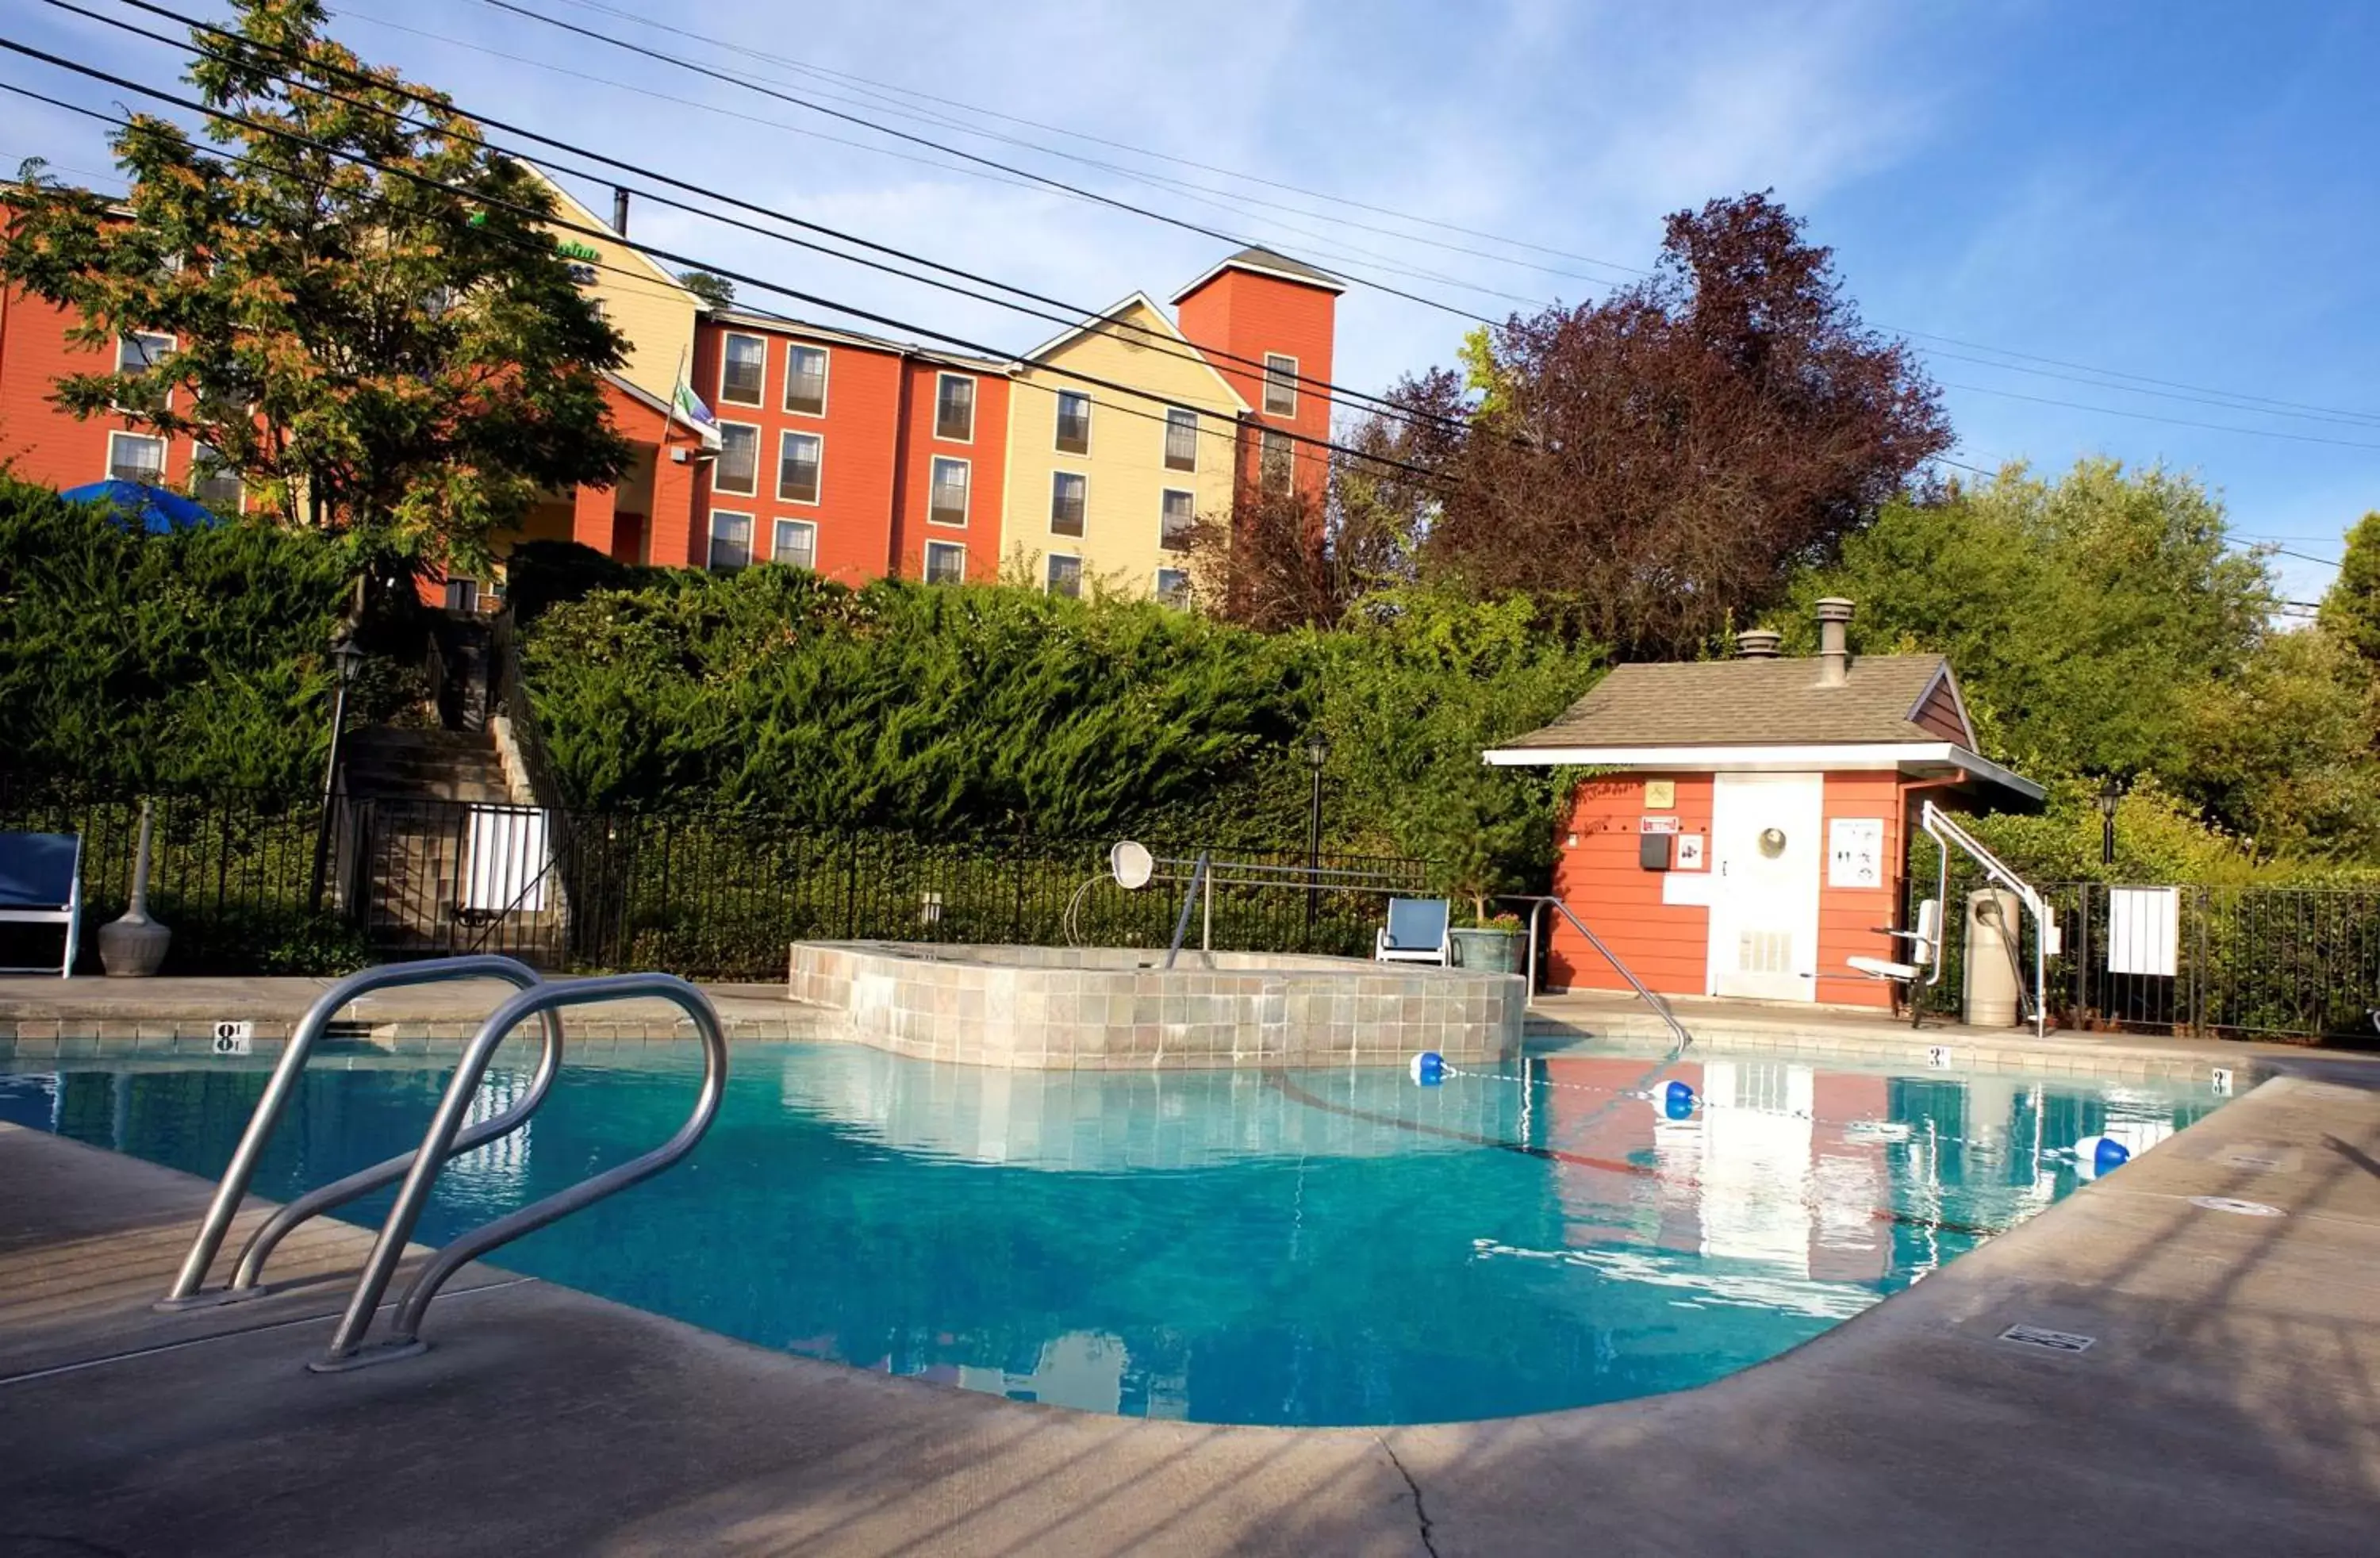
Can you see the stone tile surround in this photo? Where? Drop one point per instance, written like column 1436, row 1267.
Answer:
column 1118, row 1007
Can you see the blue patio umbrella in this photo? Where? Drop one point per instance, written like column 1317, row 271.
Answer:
column 159, row 509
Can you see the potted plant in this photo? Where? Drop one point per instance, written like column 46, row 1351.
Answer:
column 1476, row 834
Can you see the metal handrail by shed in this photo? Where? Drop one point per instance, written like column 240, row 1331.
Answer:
column 347, row 1342
column 1539, row 903
column 185, row 1292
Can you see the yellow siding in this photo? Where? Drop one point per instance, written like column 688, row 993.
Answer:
column 1126, row 468
column 652, row 311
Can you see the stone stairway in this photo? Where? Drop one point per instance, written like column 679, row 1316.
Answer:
column 423, row 803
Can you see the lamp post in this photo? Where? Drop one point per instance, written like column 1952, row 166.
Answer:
column 348, row 659
column 1318, row 752
column 2109, row 794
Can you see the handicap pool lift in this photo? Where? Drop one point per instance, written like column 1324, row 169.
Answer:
column 1924, row 969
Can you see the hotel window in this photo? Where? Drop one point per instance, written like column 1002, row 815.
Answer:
column 1281, row 385
column 1074, row 422
column 138, row 353
column 136, row 457
column 1070, row 494
column 796, row 544
column 954, row 409
column 806, row 379
column 1172, row 586
column 1065, row 576
column 743, row 366
column 1273, row 461
column 731, row 541
column 947, row 503
column 945, row 564
column 1181, row 439
column 1180, row 513
column 738, row 469
column 220, row 491
column 798, row 457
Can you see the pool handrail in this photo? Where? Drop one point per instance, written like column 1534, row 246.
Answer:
column 438, row 1145
column 233, row 1187
column 1538, row 902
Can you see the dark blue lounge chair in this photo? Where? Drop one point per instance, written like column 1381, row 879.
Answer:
column 41, row 883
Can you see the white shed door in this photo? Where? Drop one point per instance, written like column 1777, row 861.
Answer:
column 1765, row 851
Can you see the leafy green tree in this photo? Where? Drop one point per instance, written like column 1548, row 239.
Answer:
column 2351, row 609
column 717, row 292
column 404, row 360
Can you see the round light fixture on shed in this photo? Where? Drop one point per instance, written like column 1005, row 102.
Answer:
column 1772, row 842
column 1130, row 864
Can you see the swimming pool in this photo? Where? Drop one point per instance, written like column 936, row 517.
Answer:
column 1309, row 1247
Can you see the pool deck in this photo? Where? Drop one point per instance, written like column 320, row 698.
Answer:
column 2229, row 1402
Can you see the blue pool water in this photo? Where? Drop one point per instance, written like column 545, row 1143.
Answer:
column 1301, row 1247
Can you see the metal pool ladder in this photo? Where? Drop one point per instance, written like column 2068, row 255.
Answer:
column 446, row 1138
column 1539, row 903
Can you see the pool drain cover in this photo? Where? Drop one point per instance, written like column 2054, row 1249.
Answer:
column 2235, row 1208
column 2041, row 1336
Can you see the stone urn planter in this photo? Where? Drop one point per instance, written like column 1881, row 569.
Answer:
column 135, row 945
column 1487, row 949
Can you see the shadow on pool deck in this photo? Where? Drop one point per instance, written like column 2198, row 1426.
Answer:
column 2228, row 1403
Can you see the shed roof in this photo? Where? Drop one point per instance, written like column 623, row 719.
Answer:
column 1748, row 702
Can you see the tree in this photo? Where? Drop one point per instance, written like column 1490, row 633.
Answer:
column 2351, row 610
column 1659, row 463
column 716, row 292
column 404, row 360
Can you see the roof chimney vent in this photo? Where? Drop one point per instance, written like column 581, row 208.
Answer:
column 1757, row 643
column 1834, row 642
column 620, row 212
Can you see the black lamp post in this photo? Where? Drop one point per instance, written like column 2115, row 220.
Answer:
column 1318, row 752
column 2109, row 794
column 349, row 659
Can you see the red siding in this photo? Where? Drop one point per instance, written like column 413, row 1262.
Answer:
column 1236, row 319
column 1939, row 713
column 1667, row 944
column 987, row 457
column 39, row 441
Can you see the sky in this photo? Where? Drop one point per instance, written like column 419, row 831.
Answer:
column 2146, row 231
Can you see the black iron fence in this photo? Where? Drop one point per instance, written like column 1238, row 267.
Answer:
column 2283, row 962
column 708, row 895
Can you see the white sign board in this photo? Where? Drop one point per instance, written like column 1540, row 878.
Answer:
column 505, row 859
column 2143, row 930
column 234, row 1038
column 1690, row 854
column 1856, row 852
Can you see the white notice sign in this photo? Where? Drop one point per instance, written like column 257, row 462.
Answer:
column 1690, row 853
column 2143, row 930
column 1856, row 852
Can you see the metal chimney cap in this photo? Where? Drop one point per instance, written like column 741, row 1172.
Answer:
column 1758, row 643
column 1834, row 608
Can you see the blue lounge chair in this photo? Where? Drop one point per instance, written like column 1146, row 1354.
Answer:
column 1416, row 932
column 41, row 883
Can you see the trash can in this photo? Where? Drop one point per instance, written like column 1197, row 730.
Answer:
column 1994, row 952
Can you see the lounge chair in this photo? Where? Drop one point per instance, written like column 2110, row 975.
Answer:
column 1924, row 953
column 41, row 883
column 1416, row 932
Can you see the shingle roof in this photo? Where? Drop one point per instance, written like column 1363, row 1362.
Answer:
column 1746, row 702
column 1255, row 258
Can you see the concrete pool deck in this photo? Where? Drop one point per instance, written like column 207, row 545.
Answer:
column 2226, row 1403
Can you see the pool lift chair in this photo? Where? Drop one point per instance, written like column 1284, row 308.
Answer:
column 1924, row 969
column 1925, row 941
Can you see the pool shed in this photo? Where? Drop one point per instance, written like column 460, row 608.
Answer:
column 1748, row 831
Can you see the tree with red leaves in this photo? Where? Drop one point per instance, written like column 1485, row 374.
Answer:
column 1654, row 467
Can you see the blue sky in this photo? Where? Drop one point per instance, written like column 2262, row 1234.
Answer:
column 2181, row 192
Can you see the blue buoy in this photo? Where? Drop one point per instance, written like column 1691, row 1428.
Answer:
column 1677, row 1101
column 2095, row 1155
column 1429, row 1068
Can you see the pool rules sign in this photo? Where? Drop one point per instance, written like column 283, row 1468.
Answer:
column 1856, row 852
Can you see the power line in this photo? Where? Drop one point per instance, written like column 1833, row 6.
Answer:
column 548, row 220
column 2319, row 412
column 2152, row 417
column 1075, row 316
column 2227, row 405
column 1058, row 184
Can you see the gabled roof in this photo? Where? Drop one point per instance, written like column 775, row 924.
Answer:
column 1762, row 714
column 1100, row 322
column 786, row 325
column 1265, row 262
column 575, row 211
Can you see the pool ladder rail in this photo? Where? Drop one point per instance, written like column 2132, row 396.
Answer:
column 448, row 1138
column 1538, row 903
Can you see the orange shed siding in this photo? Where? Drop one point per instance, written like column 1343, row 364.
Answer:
column 1939, row 713
column 1667, row 944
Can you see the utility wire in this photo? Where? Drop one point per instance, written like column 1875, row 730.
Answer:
column 545, row 219
column 2152, row 417
column 1043, row 179
column 1075, row 315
